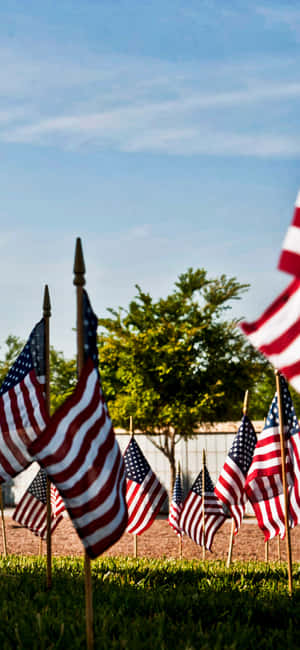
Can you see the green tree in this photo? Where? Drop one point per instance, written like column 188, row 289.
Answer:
column 63, row 376
column 176, row 361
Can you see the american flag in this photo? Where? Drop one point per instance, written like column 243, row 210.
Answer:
column 289, row 260
column 82, row 457
column 176, row 505
column 191, row 519
column 144, row 493
column 264, row 481
column 230, row 487
column 22, row 405
column 276, row 333
column 32, row 509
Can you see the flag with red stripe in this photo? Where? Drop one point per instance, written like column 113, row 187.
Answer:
column 22, row 405
column 191, row 518
column 230, row 487
column 264, row 480
column 81, row 455
column 289, row 260
column 31, row 512
column 276, row 333
column 176, row 505
column 144, row 493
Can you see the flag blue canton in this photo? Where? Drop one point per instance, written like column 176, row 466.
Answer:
column 31, row 357
column 90, row 322
column 177, row 491
column 197, row 485
column 136, row 465
column 38, row 487
column 243, row 445
column 289, row 415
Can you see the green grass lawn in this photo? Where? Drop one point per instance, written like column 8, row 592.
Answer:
column 151, row 604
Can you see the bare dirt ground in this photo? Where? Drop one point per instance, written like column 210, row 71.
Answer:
column 158, row 541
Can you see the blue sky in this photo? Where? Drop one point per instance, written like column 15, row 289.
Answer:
column 165, row 134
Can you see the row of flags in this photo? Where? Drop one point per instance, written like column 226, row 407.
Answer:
column 106, row 493
column 252, row 471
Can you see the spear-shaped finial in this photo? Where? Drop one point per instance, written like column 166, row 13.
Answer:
column 79, row 266
column 246, row 403
column 46, row 303
column 178, row 467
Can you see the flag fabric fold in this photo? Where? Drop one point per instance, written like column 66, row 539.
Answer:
column 230, row 487
column 289, row 260
column 80, row 454
column 176, row 505
column 276, row 333
column 32, row 509
column 191, row 518
column 144, row 493
column 264, row 480
column 23, row 412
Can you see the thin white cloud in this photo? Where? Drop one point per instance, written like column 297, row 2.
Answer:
column 135, row 105
column 282, row 15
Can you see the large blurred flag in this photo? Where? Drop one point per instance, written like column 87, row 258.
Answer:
column 264, row 481
column 144, row 493
column 276, row 333
column 289, row 260
column 82, row 457
column 32, row 509
column 22, row 405
column 191, row 519
column 176, row 505
column 230, row 487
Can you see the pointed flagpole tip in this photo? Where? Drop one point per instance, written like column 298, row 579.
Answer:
column 79, row 266
column 46, row 303
column 178, row 467
column 203, row 456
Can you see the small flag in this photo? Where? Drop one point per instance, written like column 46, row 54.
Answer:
column 32, row 509
column 80, row 453
column 230, row 487
column 191, row 519
column 276, row 333
column 144, row 493
column 176, row 505
column 22, row 405
column 289, row 260
column 264, row 480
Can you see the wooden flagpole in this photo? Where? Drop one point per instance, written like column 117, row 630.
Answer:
column 180, row 536
column 203, row 499
column 230, row 549
column 47, row 315
column 3, row 524
column 284, row 483
column 135, row 541
column 267, row 551
column 278, row 548
column 79, row 282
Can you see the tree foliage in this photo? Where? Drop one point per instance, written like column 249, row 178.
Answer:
column 176, row 361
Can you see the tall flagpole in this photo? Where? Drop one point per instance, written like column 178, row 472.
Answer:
column 47, row 315
column 203, row 499
column 135, row 541
column 79, row 282
column 229, row 558
column 180, row 535
column 284, row 482
column 3, row 523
